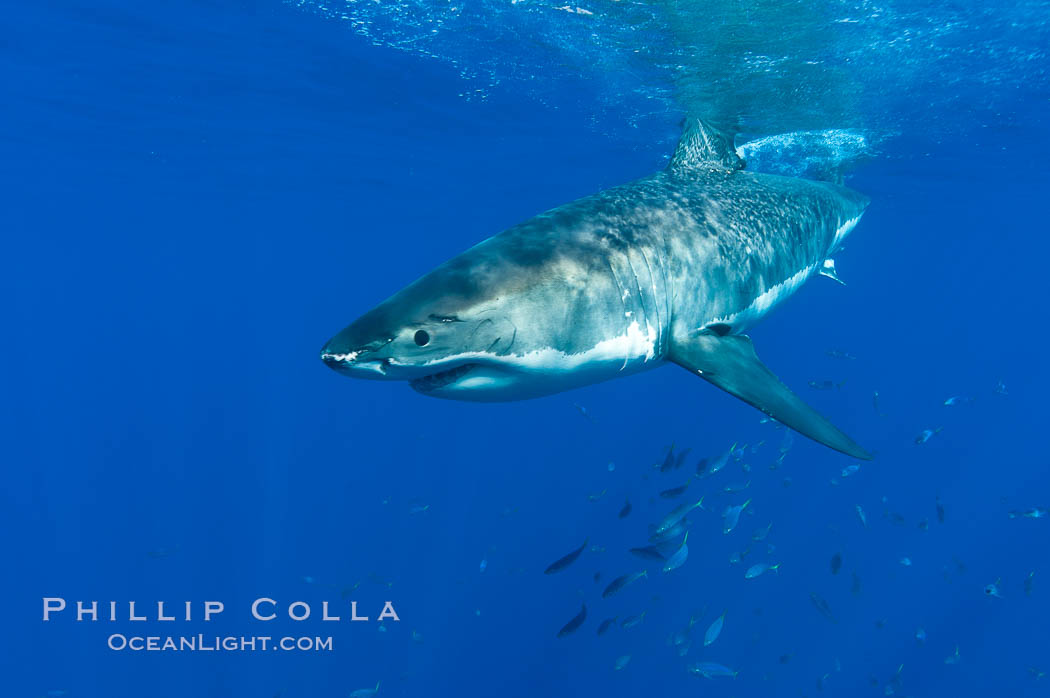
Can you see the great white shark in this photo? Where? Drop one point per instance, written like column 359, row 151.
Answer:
column 674, row 267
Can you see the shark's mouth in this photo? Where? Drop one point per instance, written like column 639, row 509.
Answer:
column 435, row 381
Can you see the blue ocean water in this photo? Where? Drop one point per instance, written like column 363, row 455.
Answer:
column 197, row 196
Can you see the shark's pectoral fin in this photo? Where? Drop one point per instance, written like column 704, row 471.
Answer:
column 730, row 363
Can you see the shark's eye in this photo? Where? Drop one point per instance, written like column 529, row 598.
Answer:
column 422, row 338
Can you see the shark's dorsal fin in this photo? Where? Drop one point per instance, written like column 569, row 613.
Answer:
column 704, row 147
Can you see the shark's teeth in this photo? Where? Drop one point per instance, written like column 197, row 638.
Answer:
column 350, row 356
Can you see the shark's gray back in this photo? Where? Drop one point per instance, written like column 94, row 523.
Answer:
column 676, row 252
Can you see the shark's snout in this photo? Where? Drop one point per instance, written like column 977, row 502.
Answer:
column 358, row 363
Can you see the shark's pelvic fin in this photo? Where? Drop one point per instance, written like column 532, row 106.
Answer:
column 730, row 363
column 703, row 147
column 828, row 269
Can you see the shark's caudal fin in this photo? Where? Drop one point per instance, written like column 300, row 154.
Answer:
column 730, row 363
column 704, row 147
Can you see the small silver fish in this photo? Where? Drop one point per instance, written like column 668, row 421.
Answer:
column 365, row 692
column 671, row 534
column 649, row 552
column 562, row 562
column 821, row 605
column 927, row 434
column 861, row 516
column 957, row 400
column 680, row 638
column 875, row 404
column 1031, row 513
column 735, row 487
column 632, row 621
column 715, row 629
column 676, row 515
column 720, row 462
column 574, row 624
column 732, row 517
column 711, row 670
column 669, row 460
column 679, row 557
column 759, row 569
column 825, row 385
column 418, row 506
column 583, row 411
column 622, row 582
column 673, row 492
column 621, row 662
column 993, row 589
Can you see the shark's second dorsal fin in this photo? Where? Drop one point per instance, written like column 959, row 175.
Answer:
column 704, row 147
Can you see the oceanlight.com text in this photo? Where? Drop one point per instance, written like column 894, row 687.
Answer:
column 216, row 643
